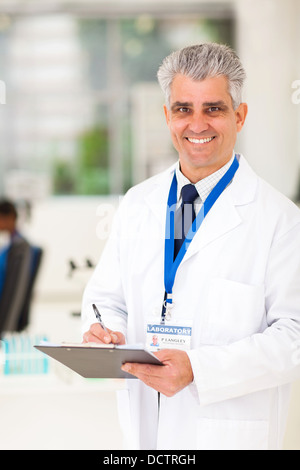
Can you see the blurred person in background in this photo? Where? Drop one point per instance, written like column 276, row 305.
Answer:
column 19, row 262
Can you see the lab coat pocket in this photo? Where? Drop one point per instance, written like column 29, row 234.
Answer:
column 223, row 434
column 234, row 310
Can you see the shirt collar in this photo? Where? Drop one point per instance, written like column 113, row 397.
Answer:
column 204, row 186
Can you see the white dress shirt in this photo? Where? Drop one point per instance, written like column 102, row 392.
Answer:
column 203, row 187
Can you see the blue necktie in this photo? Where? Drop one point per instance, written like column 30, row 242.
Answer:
column 186, row 215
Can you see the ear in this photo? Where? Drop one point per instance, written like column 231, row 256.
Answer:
column 167, row 114
column 240, row 115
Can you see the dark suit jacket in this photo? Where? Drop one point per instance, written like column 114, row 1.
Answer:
column 21, row 269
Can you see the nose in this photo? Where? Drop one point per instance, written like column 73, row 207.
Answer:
column 198, row 123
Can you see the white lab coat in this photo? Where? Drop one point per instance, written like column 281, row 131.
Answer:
column 239, row 284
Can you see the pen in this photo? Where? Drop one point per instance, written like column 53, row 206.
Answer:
column 98, row 316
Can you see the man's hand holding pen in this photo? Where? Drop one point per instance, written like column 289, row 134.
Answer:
column 98, row 333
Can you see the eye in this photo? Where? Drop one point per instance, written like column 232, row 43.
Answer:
column 213, row 109
column 183, row 109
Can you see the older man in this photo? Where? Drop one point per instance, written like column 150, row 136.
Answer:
column 211, row 264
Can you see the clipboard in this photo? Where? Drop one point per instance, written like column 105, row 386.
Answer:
column 96, row 361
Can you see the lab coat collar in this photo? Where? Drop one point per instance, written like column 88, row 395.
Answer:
column 223, row 216
column 244, row 185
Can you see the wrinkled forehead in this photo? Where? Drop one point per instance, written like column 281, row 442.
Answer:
column 200, row 92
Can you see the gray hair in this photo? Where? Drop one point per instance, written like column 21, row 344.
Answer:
column 200, row 62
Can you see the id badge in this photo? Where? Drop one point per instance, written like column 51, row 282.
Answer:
column 168, row 336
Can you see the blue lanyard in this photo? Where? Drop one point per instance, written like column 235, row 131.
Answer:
column 172, row 265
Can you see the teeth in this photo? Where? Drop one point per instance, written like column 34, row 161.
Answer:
column 200, row 141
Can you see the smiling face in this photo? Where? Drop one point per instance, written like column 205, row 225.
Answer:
column 203, row 124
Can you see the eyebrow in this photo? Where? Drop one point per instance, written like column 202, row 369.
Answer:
column 180, row 104
column 212, row 104
column 207, row 104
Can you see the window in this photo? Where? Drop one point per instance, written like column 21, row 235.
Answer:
column 83, row 113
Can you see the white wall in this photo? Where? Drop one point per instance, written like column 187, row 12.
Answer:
column 69, row 228
column 268, row 44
